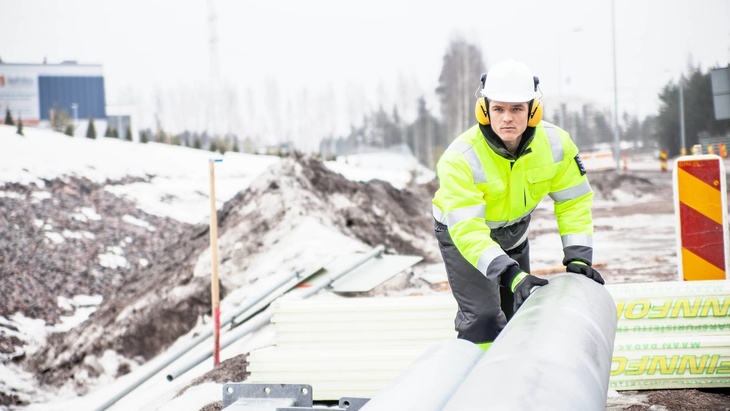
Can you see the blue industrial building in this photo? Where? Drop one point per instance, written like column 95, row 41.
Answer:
column 33, row 91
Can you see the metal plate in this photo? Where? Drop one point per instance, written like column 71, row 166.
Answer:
column 300, row 394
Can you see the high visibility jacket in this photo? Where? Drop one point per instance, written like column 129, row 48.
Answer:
column 486, row 195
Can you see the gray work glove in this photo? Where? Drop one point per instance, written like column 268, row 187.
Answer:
column 579, row 267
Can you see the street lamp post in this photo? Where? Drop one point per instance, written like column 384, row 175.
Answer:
column 616, row 143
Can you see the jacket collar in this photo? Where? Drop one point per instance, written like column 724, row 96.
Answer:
column 497, row 145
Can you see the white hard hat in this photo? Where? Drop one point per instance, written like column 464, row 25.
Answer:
column 510, row 81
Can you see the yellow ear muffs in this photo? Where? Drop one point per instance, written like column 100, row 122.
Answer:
column 480, row 110
column 535, row 113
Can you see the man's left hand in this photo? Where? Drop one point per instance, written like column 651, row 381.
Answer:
column 580, row 267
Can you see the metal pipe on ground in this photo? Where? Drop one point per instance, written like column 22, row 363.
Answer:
column 555, row 353
column 169, row 359
column 264, row 317
column 428, row 383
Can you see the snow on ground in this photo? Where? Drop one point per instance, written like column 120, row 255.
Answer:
column 174, row 181
column 397, row 169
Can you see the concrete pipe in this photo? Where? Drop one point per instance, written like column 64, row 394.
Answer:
column 555, row 353
column 428, row 383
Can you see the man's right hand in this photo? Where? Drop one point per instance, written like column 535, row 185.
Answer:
column 523, row 289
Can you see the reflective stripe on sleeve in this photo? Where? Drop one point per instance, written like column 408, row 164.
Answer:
column 459, row 215
column 465, row 213
column 571, row 193
column 577, row 239
column 472, row 158
column 556, row 147
column 487, row 257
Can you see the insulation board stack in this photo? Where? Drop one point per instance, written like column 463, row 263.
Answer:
column 671, row 335
column 350, row 347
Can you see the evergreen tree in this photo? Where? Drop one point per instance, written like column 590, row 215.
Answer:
column 69, row 131
column 8, row 118
column 114, row 132
column 697, row 95
column 91, row 130
column 61, row 120
column 108, row 132
column 20, row 126
column 143, row 137
column 128, row 134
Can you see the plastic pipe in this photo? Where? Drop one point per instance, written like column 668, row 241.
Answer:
column 428, row 383
column 294, row 277
column 265, row 316
column 555, row 353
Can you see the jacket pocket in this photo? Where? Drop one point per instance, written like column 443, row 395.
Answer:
column 539, row 180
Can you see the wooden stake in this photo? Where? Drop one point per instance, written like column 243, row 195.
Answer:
column 214, row 291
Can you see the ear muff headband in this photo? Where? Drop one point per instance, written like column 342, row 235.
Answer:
column 481, row 111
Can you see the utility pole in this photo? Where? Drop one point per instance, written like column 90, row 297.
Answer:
column 682, row 141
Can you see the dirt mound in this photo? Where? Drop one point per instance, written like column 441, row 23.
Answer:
column 619, row 186
column 152, row 306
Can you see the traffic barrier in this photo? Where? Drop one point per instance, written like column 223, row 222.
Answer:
column 663, row 159
column 598, row 160
column 700, row 202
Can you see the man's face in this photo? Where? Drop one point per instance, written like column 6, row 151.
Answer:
column 508, row 120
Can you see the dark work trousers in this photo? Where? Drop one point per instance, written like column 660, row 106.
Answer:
column 484, row 306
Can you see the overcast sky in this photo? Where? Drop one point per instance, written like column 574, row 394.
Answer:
column 151, row 44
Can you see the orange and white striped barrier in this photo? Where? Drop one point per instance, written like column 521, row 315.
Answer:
column 598, row 160
column 700, row 203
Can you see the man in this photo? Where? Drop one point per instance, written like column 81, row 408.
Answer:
column 491, row 178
